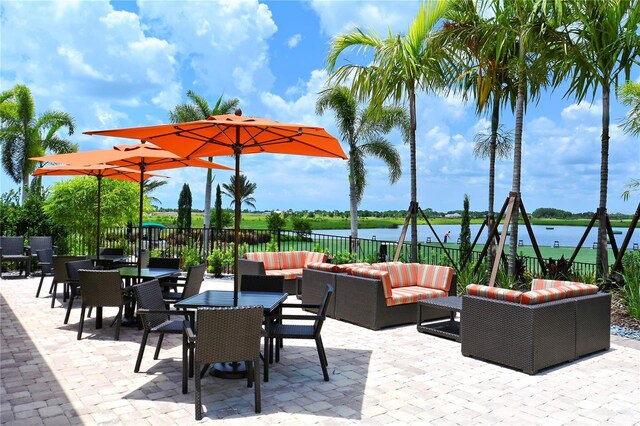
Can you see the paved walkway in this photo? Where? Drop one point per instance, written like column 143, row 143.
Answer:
column 393, row 376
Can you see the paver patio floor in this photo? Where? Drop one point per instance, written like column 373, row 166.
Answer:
column 392, row 376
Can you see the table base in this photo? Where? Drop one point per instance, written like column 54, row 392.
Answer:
column 229, row 370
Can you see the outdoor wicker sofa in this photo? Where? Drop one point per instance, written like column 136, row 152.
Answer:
column 288, row 264
column 381, row 294
column 537, row 329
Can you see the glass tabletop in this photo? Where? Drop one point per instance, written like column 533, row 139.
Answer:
column 223, row 299
column 132, row 272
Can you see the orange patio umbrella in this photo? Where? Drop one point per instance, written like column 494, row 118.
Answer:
column 99, row 171
column 234, row 135
column 142, row 157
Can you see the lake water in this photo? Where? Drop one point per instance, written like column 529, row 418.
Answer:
column 567, row 236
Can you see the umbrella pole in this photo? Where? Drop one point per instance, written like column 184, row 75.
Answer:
column 236, row 235
column 98, row 233
column 139, row 259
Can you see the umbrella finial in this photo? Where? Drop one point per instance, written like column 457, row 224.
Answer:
column 238, row 112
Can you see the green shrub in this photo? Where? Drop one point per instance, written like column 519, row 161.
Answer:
column 631, row 291
column 344, row 256
column 215, row 260
column 467, row 276
column 272, row 246
column 190, row 257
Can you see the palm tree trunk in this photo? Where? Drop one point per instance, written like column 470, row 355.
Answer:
column 414, row 190
column 495, row 121
column 602, row 254
column 517, row 166
column 353, row 205
column 25, row 183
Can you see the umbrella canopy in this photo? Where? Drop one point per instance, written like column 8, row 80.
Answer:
column 142, row 157
column 234, row 135
column 99, row 171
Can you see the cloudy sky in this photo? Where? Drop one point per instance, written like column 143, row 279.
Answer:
column 124, row 63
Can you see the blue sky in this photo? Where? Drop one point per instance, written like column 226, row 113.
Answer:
column 123, row 64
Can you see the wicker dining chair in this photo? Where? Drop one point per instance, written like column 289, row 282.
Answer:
column 168, row 263
column 195, row 277
column 40, row 243
column 279, row 330
column 60, row 276
column 72, row 282
column 101, row 289
column 12, row 249
column 268, row 284
column 155, row 317
column 45, row 260
column 224, row 334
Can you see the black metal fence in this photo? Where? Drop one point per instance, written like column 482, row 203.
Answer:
column 200, row 242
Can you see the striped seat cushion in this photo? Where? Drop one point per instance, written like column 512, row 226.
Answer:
column 579, row 289
column 314, row 257
column 411, row 294
column 433, row 276
column 322, row 266
column 344, row 267
column 374, row 274
column 494, row 292
column 543, row 295
column 292, row 259
column 539, row 284
column 270, row 259
column 403, row 274
column 288, row 274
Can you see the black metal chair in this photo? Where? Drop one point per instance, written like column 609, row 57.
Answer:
column 224, row 334
column 72, row 283
column 279, row 330
column 195, row 276
column 45, row 260
column 155, row 317
column 101, row 289
column 12, row 249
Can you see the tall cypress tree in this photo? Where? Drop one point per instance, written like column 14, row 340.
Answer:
column 184, row 207
column 218, row 209
column 465, row 234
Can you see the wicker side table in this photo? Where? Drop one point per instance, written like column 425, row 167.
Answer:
column 450, row 328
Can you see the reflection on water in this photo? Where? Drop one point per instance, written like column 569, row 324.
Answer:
column 568, row 236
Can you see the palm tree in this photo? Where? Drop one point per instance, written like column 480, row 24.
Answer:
column 629, row 95
column 152, row 185
column 601, row 41
column 482, row 71
column 25, row 135
column 245, row 191
column 493, row 145
column 401, row 66
column 521, row 32
column 199, row 109
column 363, row 130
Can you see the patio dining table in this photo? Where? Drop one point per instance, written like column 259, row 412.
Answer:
column 224, row 299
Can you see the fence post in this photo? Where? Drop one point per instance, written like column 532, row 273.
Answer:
column 350, row 244
column 279, row 246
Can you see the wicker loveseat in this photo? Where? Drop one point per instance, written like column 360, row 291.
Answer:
column 288, row 264
column 381, row 294
column 555, row 322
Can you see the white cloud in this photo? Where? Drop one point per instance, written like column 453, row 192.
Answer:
column 223, row 44
column 341, row 16
column 294, row 40
column 582, row 110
